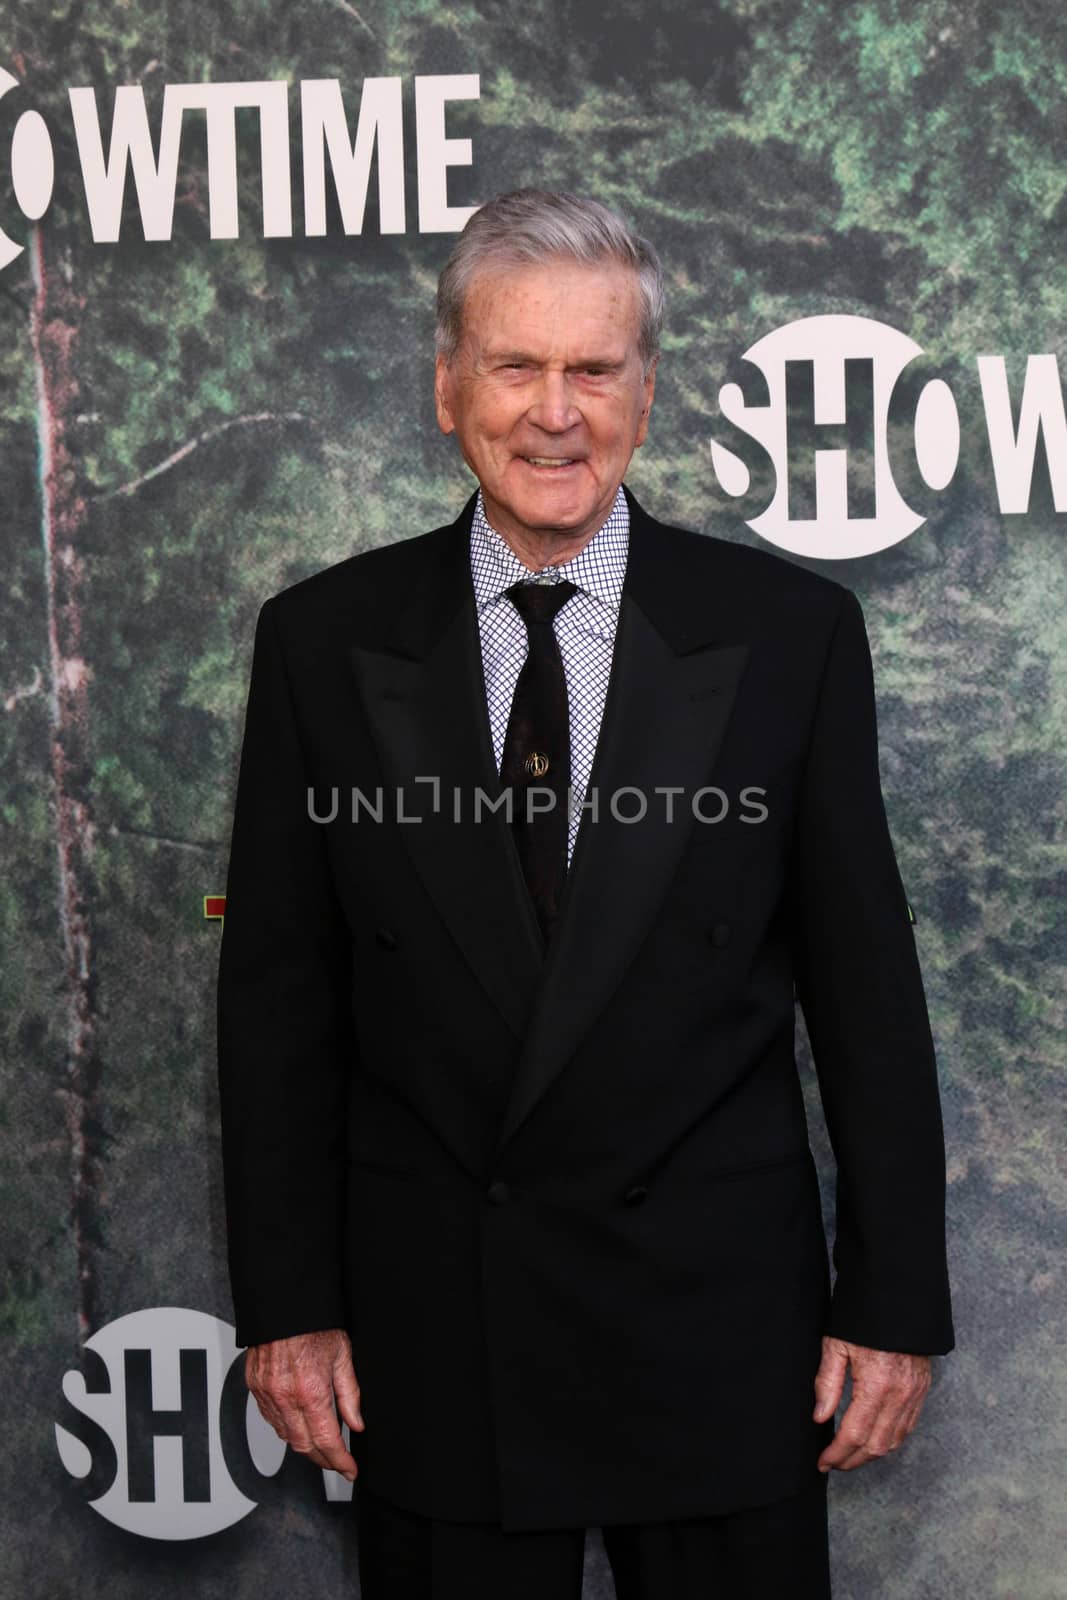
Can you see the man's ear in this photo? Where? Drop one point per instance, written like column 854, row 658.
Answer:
column 442, row 385
column 650, row 390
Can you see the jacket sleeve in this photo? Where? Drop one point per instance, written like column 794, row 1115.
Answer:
column 285, row 1038
column 860, row 987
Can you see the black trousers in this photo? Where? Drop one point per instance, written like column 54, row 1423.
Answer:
column 771, row 1552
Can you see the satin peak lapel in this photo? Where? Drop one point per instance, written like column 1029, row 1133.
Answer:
column 424, row 696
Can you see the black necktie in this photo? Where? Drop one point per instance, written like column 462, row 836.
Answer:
column 537, row 750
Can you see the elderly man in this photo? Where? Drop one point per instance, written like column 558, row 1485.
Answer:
column 544, row 821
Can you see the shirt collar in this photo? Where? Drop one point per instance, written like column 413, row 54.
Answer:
column 598, row 569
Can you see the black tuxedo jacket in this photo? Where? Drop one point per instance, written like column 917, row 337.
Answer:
column 564, row 1201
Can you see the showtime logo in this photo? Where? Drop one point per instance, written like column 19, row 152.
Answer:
column 161, row 1430
column 817, row 404
column 130, row 147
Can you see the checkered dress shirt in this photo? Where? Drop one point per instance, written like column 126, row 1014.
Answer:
column 584, row 627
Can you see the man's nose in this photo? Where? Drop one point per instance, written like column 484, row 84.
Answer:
column 554, row 407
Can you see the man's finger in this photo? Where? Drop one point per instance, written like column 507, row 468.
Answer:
column 852, row 1433
column 830, row 1379
column 318, row 1437
column 888, row 1431
column 328, row 1448
column 346, row 1388
column 329, row 1464
column 870, row 1428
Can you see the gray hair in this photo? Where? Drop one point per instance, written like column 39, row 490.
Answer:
column 529, row 226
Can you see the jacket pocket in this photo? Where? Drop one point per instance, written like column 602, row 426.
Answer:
column 751, row 1168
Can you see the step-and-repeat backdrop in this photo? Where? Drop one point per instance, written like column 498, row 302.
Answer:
column 220, row 230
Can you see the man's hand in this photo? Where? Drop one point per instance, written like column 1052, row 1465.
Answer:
column 888, row 1391
column 295, row 1382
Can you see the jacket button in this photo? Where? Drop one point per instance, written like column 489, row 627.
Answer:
column 498, row 1194
column 387, row 939
column 720, row 935
column 634, row 1196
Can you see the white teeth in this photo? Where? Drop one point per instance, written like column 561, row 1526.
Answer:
column 548, row 461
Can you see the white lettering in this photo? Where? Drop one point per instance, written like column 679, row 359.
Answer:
column 436, row 153
column 131, row 144
column 1013, row 453
column 325, row 132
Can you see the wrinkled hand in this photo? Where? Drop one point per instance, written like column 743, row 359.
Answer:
column 295, row 1382
column 888, row 1390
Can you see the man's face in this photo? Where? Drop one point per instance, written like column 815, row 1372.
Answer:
column 546, row 395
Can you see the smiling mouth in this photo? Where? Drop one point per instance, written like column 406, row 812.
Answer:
column 552, row 462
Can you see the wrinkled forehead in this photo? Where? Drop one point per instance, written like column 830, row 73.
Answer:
column 556, row 307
